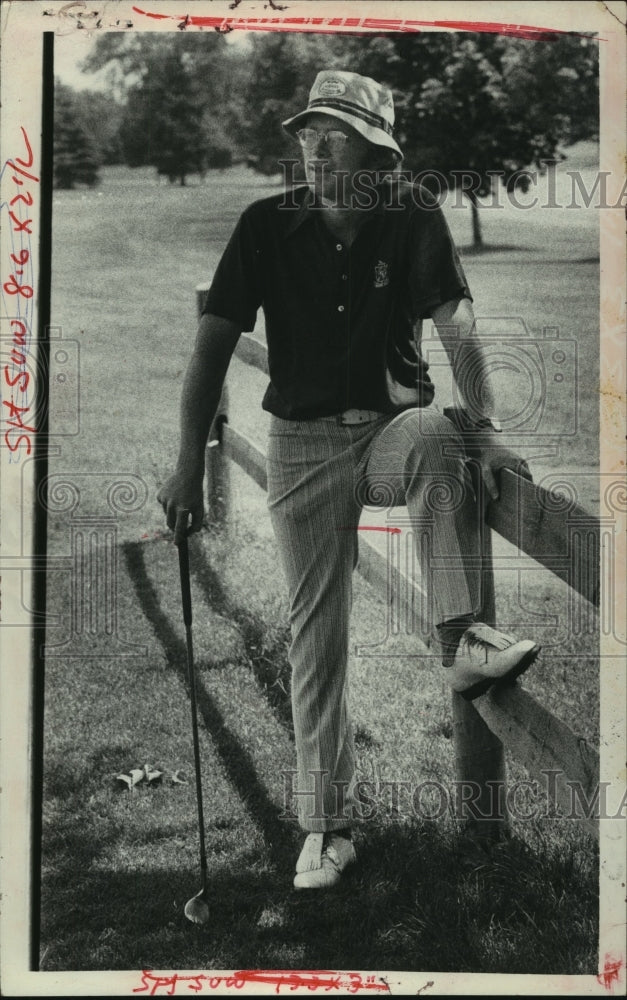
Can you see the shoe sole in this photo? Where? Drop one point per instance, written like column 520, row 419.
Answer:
column 508, row 679
column 317, row 889
column 325, row 887
column 343, row 874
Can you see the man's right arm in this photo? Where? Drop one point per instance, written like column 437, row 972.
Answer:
column 182, row 495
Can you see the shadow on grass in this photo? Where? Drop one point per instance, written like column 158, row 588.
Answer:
column 475, row 250
column 419, row 898
column 470, row 250
column 237, row 762
column 266, row 649
column 415, row 901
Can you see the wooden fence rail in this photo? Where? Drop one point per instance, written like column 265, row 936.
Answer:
column 557, row 533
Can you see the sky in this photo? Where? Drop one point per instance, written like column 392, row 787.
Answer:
column 69, row 51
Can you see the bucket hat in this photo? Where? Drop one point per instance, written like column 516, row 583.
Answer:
column 358, row 100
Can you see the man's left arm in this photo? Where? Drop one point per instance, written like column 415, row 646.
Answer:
column 457, row 329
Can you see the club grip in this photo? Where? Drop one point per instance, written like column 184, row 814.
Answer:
column 186, row 592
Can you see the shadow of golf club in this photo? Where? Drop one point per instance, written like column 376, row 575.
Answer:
column 237, row 762
column 269, row 664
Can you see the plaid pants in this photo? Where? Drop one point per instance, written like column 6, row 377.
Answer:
column 320, row 474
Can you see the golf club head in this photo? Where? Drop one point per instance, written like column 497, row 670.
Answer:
column 196, row 909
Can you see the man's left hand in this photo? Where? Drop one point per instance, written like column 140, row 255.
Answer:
column 491, row 458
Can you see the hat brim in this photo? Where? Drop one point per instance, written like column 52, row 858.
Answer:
column 374, row 135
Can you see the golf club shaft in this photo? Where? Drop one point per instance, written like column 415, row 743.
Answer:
column 191, row 673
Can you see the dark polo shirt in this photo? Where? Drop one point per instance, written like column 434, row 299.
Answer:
column 339, row 318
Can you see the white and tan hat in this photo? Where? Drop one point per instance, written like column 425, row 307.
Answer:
column 357, row 100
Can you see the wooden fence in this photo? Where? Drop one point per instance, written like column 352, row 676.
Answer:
column 557, row 533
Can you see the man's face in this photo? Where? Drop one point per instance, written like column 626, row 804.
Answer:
column 328, row 158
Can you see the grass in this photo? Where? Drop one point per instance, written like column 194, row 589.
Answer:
column 118, row 867
column 422, row 897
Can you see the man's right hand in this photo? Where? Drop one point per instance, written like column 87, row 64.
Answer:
column 181, row 497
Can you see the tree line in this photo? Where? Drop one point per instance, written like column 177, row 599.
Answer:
column 188, row 103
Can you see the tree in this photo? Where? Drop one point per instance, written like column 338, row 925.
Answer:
column 162, row 124
column 468, row 105
column 76, row 159
column 101, row 117
column 180, row 111
column 555, row 84
column 478, row 104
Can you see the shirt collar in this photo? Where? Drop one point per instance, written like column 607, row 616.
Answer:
column 305, row 200
column 308, row 206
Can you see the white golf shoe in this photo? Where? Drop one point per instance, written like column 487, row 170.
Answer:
column 322, row 860
column 487, row 658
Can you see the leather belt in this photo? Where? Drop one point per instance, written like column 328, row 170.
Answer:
column 351, row 417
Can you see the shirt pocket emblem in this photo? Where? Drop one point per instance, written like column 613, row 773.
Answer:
column 381, row 275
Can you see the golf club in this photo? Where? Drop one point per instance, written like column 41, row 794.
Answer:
column 196, row 908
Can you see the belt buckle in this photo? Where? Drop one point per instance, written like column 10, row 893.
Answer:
column 344, row 419
column 355, row 416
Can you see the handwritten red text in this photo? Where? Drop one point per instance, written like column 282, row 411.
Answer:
column 18, row 286
column 346, row 982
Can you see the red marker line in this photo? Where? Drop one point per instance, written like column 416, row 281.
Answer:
column 353, row 982
column 527, row 31
column 357, row 25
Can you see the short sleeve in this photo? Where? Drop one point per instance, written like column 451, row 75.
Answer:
column 236, row 290
column 436, row 274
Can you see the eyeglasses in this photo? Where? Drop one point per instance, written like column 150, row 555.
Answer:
column 310, row 137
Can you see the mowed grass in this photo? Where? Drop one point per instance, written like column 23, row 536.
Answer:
column 118, row 867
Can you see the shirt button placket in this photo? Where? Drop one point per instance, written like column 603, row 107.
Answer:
column 339, row 247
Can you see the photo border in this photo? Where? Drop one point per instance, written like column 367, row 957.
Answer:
column 24, row 24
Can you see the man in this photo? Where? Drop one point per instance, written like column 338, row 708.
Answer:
column 346, row 268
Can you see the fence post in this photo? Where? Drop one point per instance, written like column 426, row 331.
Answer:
column 217, row 470
column 479, row 754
